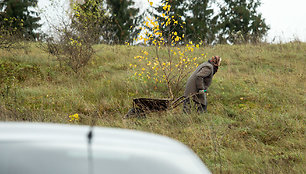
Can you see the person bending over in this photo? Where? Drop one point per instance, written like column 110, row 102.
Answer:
column 198, row 83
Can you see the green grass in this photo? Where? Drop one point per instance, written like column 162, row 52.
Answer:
column 256, row 113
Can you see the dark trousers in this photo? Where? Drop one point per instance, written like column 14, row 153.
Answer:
column 201, row 108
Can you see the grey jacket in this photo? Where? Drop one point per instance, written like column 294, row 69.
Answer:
column 200, row 79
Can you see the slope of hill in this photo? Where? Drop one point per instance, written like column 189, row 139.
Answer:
column 256, row 113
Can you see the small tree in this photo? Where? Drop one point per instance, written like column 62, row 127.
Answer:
column 169, row 64
column 175, row 10
column 73, row 45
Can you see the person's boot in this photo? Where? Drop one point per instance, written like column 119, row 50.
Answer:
column 202, row 108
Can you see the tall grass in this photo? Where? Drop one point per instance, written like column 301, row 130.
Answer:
column 256, row 113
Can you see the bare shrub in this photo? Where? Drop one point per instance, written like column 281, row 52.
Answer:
column 70, row 50
column 75, row 38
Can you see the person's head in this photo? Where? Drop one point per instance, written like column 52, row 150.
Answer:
column 216, row 62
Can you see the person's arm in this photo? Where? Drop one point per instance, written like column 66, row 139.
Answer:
column 204, row 72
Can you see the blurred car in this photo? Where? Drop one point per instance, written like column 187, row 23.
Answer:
column 39, row 148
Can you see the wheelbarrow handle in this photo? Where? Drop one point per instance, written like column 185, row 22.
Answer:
column 180, row 100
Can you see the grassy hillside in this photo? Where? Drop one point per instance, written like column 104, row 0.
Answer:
column 256, row 113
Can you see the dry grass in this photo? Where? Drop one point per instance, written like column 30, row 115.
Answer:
column 256, row 118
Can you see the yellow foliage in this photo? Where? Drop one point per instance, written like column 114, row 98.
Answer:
column 74, row 117
column 176, row 64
